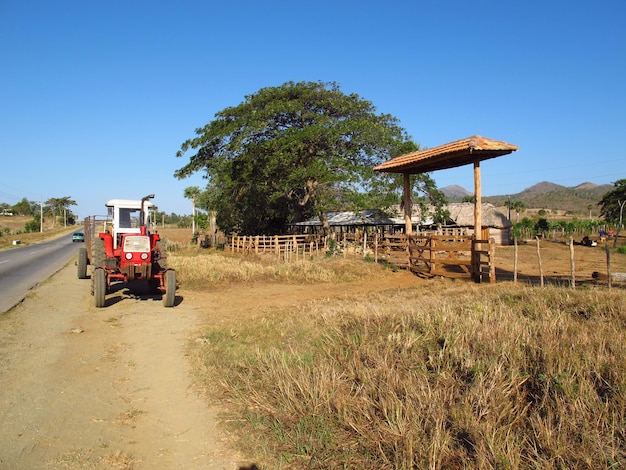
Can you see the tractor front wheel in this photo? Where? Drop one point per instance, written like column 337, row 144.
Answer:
column 170, row 288
column 100, row 287
column 82, row 263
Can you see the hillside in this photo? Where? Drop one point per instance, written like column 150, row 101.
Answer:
column 575, row 200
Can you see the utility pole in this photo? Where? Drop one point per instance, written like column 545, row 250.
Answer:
column 193, row 215
column 41, row 215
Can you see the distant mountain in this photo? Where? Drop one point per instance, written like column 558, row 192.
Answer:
column 543, row 187
column 455, row 191
column 575, row 200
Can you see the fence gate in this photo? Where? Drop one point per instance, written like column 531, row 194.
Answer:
column 452, row 256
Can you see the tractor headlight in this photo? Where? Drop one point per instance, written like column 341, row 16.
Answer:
column 144, row 256
column 129, row 256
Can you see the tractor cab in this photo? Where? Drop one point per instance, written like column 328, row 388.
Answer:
column 130, row 248
column 128, row 216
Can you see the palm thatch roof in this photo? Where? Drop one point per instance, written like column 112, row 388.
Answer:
column 451, row 155
column 462, row 214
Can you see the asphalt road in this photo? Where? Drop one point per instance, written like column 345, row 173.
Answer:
column 24, row 267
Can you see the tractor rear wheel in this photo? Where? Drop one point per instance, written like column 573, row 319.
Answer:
column 98, row 254
column 162, row 249
column 170, row 288
column 82, row 263
column 99, row 287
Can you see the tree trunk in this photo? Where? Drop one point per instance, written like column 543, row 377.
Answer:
column 325, row 224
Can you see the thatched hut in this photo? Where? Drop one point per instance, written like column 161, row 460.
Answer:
column 500, row 227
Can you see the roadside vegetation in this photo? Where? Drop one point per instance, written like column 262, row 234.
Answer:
column 13, row 228
column 443, row 375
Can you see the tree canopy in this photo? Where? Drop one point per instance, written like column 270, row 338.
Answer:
column 293, row 151
column 58, row 205
column 610, row 204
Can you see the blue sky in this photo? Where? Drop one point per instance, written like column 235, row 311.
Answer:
column 97, row 97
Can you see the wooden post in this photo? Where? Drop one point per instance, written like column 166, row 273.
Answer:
column 408, row 222
column 540, row 266
column 515, row 260
column 431, row 257
column 608, row 262
column 364, row 243
column 492, row 261
column 478, row 203
column 376, row 247
column 571, row 260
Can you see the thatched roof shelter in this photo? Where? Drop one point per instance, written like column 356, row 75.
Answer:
column 461, row 152
column 462, row 214
column 451, row 155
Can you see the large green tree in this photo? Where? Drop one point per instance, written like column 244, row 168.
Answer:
column 293, row 151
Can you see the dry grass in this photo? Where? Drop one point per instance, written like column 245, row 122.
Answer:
column 204, row 269
column 445, row 375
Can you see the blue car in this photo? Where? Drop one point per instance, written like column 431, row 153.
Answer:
column 78, row 237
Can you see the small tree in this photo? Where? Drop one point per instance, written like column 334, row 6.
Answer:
column 192, row 193
column 518, row 206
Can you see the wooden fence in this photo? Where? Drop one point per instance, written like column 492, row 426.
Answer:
column 287, row 247
column 439, row 255
column 457, row 256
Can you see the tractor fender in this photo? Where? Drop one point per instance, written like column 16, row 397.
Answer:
column 108, row 244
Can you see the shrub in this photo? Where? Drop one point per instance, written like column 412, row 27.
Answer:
column 32, row 226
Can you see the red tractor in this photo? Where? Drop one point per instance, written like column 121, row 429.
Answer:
column 121, row 249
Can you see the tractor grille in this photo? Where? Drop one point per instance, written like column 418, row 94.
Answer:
column 136, row 244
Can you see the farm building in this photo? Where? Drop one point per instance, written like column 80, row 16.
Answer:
column 461, row 222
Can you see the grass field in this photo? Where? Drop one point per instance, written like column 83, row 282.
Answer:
column 445, row 374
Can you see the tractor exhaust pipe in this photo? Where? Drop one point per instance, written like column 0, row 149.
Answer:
column 142, row 217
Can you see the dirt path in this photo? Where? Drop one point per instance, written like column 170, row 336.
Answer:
column 100, row 388
column 109, row 388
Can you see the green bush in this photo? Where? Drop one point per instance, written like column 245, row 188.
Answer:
column 32, row 226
